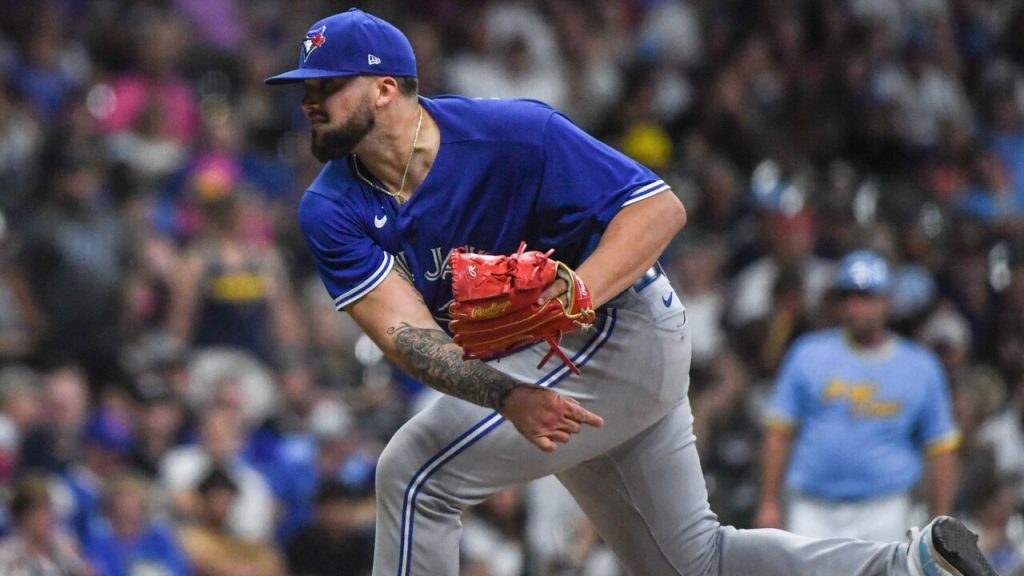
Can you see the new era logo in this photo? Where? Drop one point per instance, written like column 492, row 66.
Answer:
column 373, row 60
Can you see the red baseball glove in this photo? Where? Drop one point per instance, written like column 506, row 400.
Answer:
column 495, row 309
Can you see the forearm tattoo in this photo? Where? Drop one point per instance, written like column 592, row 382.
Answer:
column 432, row 357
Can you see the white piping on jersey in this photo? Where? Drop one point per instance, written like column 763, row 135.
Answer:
column 366, row 285
column 478, row 431
column 646, row 191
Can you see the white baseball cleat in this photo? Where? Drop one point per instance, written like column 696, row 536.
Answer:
column 945, row 547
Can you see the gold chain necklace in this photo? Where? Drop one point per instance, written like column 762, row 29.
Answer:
column 401, row 188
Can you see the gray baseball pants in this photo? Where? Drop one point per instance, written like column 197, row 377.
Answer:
column 638, row 477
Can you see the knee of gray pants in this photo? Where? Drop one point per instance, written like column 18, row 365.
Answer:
column 394, row 470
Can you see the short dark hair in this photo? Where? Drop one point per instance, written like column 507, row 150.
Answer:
column 408, row 85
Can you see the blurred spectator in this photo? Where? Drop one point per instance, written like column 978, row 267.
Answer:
column 21, row 321
column 791, row 238
column 105, row 447
column 230, row 291
column 218, row 166
column 517, row 56
column 965, row 281
column 492, row 536
column 209, row 543
column 216, row 20
column 37, row 545
column 235, row 382
column 858, row 407
column 765, row 341
column 20, row 412
column 720, row 210
column 1003, row 434
column 560, row 539
column 947, row 333
column 337, row 542
column 261, row 115
column 728, row 438
column 21, row 141
column 1000, row 527
column 328, row 450
column 1006, row 125
column 926, row 97
column 149, row 112
column 52, row 63
column 160, row 423
column 75, row 256
column 220, row 443
column 129, row 542
column 990, row 197
column 671, row 30
column 55, row 442
column 698, row 276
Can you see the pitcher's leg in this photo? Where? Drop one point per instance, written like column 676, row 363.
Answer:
column 648, row 501
column 451, row 456
column 448, row 457
column 454, row 454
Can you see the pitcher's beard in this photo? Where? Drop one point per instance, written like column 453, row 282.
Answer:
column 331, row 143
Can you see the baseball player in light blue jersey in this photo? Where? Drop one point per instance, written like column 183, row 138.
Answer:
column 407, row 179
column 857, row 406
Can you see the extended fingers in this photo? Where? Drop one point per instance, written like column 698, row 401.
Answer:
column 578, row 413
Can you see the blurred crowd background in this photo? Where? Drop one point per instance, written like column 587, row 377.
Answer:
column 178, row 395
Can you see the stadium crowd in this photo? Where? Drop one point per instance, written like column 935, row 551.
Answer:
column 178, row 395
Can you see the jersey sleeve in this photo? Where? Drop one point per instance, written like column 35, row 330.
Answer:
column 350, row 263
column 586, row 182
column 938, row 432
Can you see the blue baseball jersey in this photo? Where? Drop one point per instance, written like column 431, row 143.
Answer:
column 507, row 171
column 862, row 418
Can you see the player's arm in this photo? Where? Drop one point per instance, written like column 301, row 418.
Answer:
column 775, row 449
column 942, row 440
column 395, row 317
column 634, row 239
column 942, row 474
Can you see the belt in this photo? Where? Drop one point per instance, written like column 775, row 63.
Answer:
column 652, row 274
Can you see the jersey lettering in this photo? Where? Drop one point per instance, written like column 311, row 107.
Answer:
column 402, row 261
column 442, row 265
column 861, row 397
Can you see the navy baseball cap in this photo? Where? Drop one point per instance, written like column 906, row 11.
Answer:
column 349, row 44
column 863, row 271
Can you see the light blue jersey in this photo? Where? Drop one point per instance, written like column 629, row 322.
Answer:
column 507, row 171
column 862, row 418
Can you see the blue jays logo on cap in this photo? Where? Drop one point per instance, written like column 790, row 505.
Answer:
column 314, row 39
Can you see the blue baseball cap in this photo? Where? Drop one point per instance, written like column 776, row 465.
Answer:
column 349, row 44
column 111, row 430
column 863, row 271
